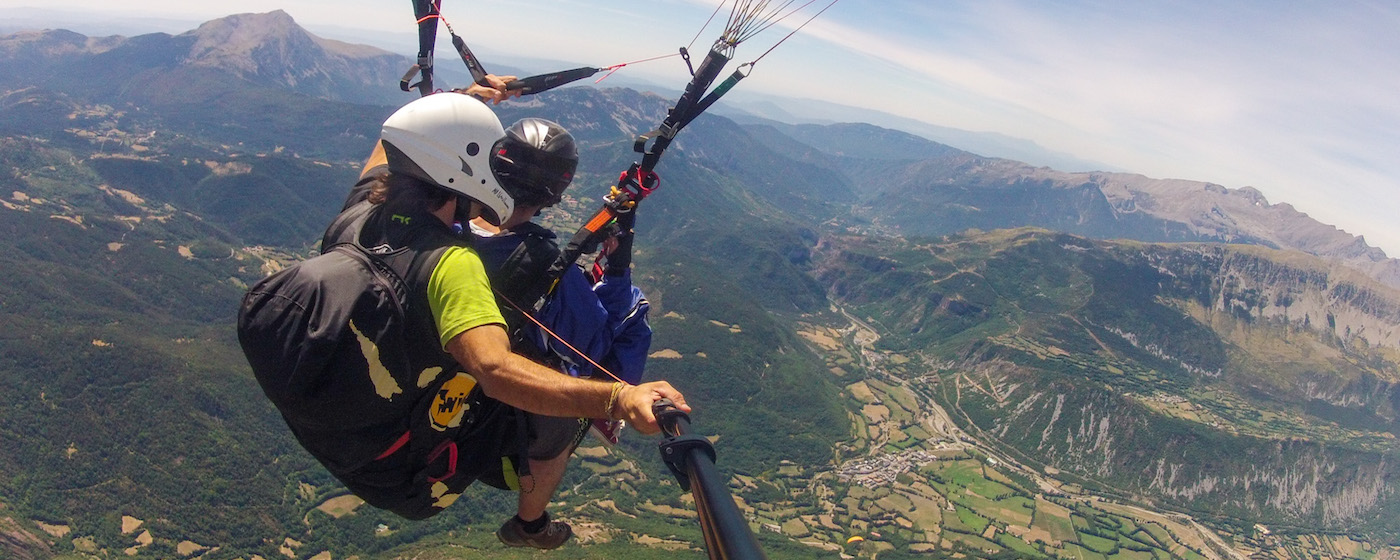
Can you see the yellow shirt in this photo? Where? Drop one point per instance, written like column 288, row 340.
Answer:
column 459, row 294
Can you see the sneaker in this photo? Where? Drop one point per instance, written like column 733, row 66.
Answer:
column 554, row 534
column 607, row 431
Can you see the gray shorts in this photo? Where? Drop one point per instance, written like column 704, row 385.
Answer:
column 552, row 435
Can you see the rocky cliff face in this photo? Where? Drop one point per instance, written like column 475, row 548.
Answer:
column 1275, row 286
column 1112, row 438
column 1233, row 379
column 1345, row 327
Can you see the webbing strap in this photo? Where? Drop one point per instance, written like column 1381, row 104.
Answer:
column 427, row 39
column 398, row 444
column 451, row 448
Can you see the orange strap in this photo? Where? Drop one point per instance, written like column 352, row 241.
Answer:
column 376, row 159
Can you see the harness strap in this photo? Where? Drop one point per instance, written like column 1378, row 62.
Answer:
column 398, row 444
column 427, row 39
column 451, row 448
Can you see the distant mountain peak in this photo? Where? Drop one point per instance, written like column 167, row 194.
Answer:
column 249, row 43
column 55, row 42
column 1254, row 196
column 276, row 22
column 271, row 49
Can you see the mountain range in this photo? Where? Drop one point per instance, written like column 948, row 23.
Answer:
column 259, row 49
column 930, row 189
column 1047, row 364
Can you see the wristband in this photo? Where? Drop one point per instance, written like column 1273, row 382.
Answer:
column 612, row 400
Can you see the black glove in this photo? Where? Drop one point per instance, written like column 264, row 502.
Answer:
column 620, row 259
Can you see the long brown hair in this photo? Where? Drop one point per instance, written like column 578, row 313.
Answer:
column 406, row 192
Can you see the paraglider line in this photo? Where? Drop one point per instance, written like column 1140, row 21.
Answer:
column 614, row 68
column 771, row 21
column 557, row 337
column 794, row 31
column 707, row 24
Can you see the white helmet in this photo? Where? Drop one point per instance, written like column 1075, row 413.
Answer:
column 446, row 139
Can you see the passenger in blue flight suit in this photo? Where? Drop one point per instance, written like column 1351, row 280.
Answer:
column 599, row 313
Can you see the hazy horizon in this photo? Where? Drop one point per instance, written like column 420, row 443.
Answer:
column 1297, row 101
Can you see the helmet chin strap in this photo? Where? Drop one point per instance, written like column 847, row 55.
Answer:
column 466, row 210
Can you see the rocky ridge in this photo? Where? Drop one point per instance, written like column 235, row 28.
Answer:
column 1210, row 212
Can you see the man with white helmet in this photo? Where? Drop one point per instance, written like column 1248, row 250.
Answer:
column 481, row 405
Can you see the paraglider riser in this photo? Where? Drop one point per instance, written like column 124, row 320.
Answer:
column 691, row 459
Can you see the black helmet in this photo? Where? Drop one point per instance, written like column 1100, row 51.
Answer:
column 535, row 161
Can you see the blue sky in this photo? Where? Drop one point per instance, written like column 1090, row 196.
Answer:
column 1300, row 100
